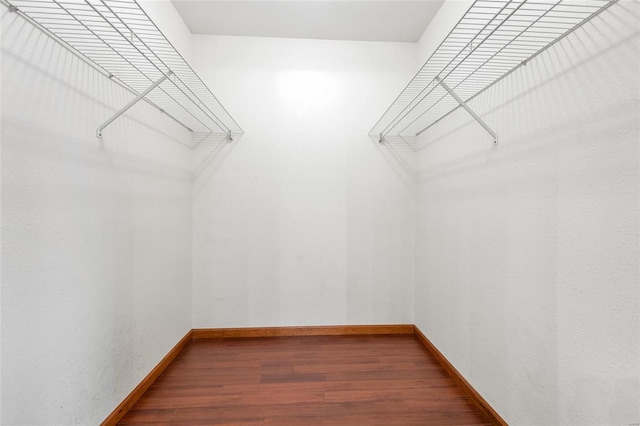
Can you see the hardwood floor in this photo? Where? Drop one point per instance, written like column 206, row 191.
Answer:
column 318, row 380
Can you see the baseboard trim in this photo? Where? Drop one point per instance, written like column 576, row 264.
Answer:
column 329, row 330
column 473, row 395
column 126, row 405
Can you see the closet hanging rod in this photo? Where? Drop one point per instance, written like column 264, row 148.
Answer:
column 132, row 103
column 83, row 58
column 491, row 40
column 121, row 40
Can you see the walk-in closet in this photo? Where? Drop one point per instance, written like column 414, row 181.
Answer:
column 322, row 212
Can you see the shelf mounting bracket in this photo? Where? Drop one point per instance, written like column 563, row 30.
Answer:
column 464, row 105
column 132, row 103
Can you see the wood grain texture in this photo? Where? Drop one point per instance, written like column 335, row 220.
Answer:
column 124, row 407
column 460, row 381
column 306, row 380
column 330, row 330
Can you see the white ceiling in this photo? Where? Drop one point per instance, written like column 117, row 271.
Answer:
column 379, row 20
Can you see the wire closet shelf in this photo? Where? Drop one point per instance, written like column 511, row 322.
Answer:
column 119, row 39
column 492, row 39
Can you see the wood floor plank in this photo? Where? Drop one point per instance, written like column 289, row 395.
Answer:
column 309, row 380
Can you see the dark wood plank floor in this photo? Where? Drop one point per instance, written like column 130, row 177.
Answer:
column 325, row 380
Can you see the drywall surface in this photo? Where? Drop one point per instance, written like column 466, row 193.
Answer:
column 305, row 220
column 96, row 236
column 0, row 233
column 527, row 255
column 164, row 14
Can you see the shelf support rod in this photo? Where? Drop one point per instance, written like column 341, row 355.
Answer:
column 132, row 103
column 464, row 105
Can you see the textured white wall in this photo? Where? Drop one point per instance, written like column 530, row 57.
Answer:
column 527, row 253
column 0, row 232
column 96, row 248
column 305, row 221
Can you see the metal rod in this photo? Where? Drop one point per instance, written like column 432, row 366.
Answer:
column 144, row 55
column 493, row 38
column 489, row 59
column 86, row 59
column 196, row 76
column 132, row 103
column 406, row 112
column 122, row 42
column 524, row 62
column 469, row 110
column 417, row 75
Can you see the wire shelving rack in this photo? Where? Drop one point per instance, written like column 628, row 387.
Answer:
column 119, row 39
column 492, row 39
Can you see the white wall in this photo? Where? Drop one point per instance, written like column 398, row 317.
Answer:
column 527, row 258
column 0, row 233
column 165, row 16
column 96, row 247
column 305, row 220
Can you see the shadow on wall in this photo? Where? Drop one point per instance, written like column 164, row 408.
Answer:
column 97, row 231
column 400, row 154
column 526, row 250
column 209, row 152
column 614, row 27
column 63, row 78
column 532, row 84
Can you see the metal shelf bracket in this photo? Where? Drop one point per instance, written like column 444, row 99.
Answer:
column 119, row 40
column 490, row 41
column 464, row 105
column 132, row 103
